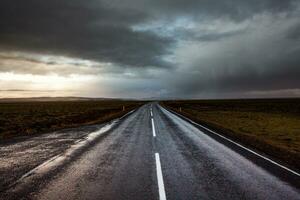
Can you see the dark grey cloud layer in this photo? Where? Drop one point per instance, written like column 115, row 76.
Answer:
column 234, row 46
column 234, row 9
column 79, row 28
column 101, row 29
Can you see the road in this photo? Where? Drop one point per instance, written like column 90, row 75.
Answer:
column 155, row 154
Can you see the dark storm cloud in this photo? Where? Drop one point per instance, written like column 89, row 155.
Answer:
column 100, row 30
column 84, row 29
column 234, row 9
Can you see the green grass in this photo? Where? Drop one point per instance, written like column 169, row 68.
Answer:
column 23, row 118
column 270, row 125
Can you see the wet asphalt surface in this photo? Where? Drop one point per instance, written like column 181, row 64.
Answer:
column 20, row 155
column 121, row 165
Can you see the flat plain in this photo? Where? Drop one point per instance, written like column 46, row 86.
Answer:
column 268, row 125
column 32, row 117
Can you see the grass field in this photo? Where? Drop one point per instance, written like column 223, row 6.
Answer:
column 269, row 125
column 32, row 117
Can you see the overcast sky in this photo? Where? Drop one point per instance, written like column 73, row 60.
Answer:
column 150, row 48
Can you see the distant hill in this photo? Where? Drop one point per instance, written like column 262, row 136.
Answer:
column 54, row 99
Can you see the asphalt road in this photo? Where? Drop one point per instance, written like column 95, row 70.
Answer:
column 155, row 154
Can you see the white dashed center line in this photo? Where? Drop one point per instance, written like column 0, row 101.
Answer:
column 160, row 181
column 153, row 127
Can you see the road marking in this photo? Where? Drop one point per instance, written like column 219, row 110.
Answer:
column 153, row 128
column 241, row 146
column 151, row 113
column 160, row 180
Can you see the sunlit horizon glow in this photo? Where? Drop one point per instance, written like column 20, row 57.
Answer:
column 52, row 85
